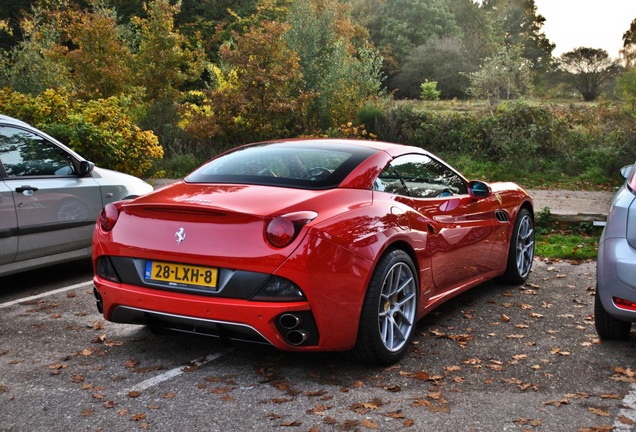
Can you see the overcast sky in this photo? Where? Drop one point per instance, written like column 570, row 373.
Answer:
column 586, row 23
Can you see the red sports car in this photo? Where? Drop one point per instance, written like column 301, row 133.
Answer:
column 309, row 245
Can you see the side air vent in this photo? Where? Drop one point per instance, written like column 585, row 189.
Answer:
column 501, row 216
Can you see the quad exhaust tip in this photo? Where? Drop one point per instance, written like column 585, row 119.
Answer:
column 295, row 336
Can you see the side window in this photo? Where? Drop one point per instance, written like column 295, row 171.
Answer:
column 426, row 177
column 23, row 153
column 389, row 181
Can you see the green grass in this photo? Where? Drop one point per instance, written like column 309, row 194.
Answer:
column 562, row 240
column 567, row 246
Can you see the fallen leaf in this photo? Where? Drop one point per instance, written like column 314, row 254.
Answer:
column 111, row 344
column 319, row 408
column 58, row 366
column 368, row 424
column 528, row 422
column 625, row 420
column 130, row 363
column 557, row 403
column 78, row 378
column 315, row 393
column 398, row 414
column 599, row 411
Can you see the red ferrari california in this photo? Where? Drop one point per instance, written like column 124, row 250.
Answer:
column 309, row 245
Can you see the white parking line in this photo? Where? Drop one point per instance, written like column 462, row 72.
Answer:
column 628, row 412
column 48, row 293
column 151, row 382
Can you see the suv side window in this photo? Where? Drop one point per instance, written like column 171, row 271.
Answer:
column 24, row 154
column 425, row 177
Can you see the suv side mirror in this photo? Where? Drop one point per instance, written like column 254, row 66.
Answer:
column 478, row 189
column 627, row 170
column 86, row 168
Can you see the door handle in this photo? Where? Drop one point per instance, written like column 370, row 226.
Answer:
column 26, row 188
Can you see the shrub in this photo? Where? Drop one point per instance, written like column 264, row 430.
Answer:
column 428, row 90
column 101, row 130
column 589, row 143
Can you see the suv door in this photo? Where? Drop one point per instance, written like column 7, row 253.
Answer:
column 8, row 225
column 56, row 208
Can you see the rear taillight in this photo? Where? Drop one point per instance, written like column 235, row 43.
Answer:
column 108, row 217
column 624, row 304
column 282, row 230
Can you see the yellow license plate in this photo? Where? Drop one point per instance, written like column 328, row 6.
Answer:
column 181, row 275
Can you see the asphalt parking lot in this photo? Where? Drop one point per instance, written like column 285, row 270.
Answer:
column 497, row 358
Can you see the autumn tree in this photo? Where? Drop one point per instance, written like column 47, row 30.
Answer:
column 164, row 61
column 587, row 69
column 338, row 73
column 10, row 16
column 517, row 23
column 502, row 77
column 477, row 29
column 26, row 67
column 626, row 89
column 445, row 61
column 93, row 50
column 628, row 52
column 258, row 92
column 398, row 26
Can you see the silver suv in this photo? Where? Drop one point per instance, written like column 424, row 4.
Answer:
column 50, row 198
column 615, row 301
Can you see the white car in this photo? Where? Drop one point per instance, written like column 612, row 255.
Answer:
column 50, row 198
column 615, row 301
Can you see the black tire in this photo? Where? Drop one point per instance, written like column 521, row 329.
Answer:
column 521, row 250
column 389, row 312
column 608, row 327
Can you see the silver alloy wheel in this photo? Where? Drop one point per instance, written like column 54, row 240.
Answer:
column 525, row 246
column 397, row 307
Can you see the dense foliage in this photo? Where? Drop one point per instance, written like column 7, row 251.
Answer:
column 589, row 143
column 100, row 129
column 125, row 81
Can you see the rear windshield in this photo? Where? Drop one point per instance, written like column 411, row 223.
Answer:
column 321, row 166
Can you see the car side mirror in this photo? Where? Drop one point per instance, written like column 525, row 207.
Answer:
column 86, row 168
column 627, row 170
column 478, row 189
